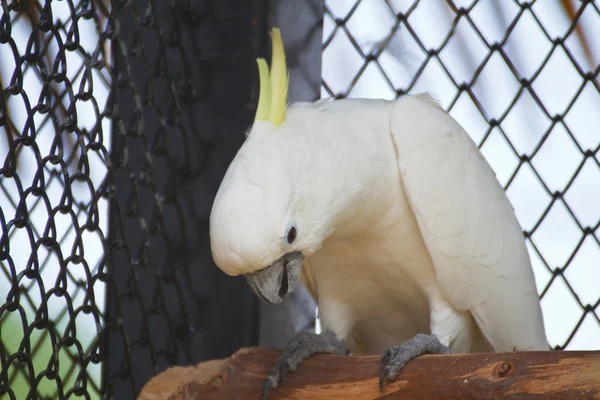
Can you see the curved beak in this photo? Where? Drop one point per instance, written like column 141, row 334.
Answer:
column 279, row 279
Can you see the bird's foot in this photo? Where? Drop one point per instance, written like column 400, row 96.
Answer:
column 393, row 360
column 302, row 346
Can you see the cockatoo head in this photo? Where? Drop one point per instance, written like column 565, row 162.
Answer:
column 257, row 224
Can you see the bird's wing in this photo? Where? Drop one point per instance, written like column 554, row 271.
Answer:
column 468, row 225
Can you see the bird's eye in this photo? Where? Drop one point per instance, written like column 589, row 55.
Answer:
column 291, row 235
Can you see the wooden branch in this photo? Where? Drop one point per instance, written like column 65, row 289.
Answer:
column 519, row 375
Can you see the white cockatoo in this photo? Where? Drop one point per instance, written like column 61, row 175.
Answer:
column 389, row 215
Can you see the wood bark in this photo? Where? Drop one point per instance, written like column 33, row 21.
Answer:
column 519, row 375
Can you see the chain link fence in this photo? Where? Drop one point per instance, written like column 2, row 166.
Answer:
column 522, row 78
column 117, row 122
column 118, row 119
column 55, row 136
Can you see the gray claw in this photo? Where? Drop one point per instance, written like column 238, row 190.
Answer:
column 269, row 383
column 302, row 346
column 393, row 360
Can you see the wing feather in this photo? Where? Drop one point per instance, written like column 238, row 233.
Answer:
column 468, row 225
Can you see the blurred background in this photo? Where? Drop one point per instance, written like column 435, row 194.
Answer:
column 119, row 118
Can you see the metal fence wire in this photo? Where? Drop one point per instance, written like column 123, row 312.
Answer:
column 54, row 187
column 117, row 122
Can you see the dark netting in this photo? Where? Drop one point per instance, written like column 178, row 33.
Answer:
column 386, row 48
column 118, row 120
column 55, row 127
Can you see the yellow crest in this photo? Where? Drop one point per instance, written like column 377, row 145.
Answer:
column 272, row 99
column 264, row 96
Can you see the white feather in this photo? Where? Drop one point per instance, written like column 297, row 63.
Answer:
column 468, row 225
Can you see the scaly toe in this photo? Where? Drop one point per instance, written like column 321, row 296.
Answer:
column 393, row 360
column 302, row 346
column 270, row 383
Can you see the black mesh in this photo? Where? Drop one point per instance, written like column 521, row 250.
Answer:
column 118, row 121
